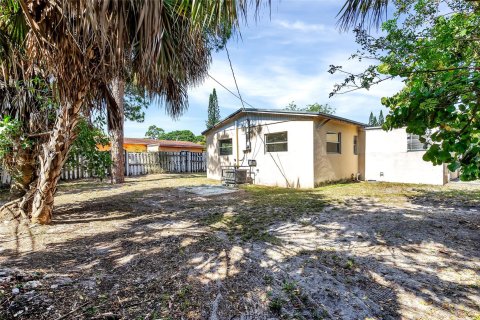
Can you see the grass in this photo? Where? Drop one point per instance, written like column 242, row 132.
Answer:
column 263, row 206
column 261, row 209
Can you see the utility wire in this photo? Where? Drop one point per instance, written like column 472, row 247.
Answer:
column 243, row 107
column 235, row 79
column 231, row 92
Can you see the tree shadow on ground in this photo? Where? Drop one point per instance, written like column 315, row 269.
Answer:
column 259, row 254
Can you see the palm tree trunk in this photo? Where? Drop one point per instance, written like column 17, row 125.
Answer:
column 51, row 159
column 23, row 173
column 116, row 133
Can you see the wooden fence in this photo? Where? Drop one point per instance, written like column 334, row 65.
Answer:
column 5, row 178
column 138, row 163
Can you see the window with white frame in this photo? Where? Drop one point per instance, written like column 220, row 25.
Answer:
column 334, row 142
column 355, row 145
column 414, row 143
column 276, row 142
column 225, row 147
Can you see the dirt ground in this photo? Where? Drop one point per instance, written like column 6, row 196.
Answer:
column 152, row 249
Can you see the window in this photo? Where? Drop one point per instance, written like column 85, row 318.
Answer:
column 225, row 147
column 334, row 142
column 355, row 145
column 414, row 144
column 276, row 142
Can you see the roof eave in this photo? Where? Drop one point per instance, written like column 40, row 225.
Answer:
column 283, row 112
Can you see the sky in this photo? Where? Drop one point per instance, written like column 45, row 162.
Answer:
column 282, row 57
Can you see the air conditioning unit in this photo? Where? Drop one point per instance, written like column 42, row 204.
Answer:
column 235, row 176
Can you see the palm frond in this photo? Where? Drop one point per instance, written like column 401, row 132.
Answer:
column 364, row 13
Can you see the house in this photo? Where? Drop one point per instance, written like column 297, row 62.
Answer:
column 396, row 156
column 304, row 149
column 144, row 145
column 286, row 148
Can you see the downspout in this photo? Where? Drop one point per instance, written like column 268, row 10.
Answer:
column 236, row 142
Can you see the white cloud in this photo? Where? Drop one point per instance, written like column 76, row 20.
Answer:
column 275, row 81
column 301, row 26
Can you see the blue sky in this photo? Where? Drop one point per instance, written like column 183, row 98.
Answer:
column 283, row 57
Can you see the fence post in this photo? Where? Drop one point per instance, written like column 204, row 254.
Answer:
column 127, row 167
column 189, row 161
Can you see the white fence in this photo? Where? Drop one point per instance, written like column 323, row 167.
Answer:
column 138, row 163
column 5, row 178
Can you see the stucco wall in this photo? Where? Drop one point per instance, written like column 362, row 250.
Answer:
column 386, row 152
column 126, row 146
column 293, row 168
column 332, row 166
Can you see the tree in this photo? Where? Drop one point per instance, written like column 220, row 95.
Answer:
column 314, row 107
column 381, row 119
column 85, row 153
column 438, row 58
column 292, row 106
column 83, row 46
column 155, row 132
column 115, row 130
column 362, row 13
column 370, row 120
column 180, row 135
column 213, row 110
column 320, row 108
column 130, row 101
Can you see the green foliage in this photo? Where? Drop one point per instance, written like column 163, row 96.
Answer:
column 438, row 58
column 154, row 132
column 374, row 122
column 381, row 119
column 370, row 120
column 134, row 102
column 84, row 152
column 11, row 137
column 213, row 110
column 276, row 305
column 182, row 135
column 314, row 107
column 322, row 108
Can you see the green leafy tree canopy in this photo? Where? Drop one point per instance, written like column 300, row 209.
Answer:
column 437, row 56
column 154, row 132
column 314, row 107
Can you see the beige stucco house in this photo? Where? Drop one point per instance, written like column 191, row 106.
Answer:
column 303, row 149
column 289, row 148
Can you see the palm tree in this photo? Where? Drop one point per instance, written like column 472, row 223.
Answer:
column 25, row 100
column 83, row 45
column 362, row 12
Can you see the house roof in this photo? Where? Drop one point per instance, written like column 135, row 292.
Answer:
column 162, row 143
column 282, row 112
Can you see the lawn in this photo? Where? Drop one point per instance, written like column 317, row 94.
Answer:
column 152, row 249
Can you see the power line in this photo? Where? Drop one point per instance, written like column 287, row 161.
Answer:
column 243, row 106
column 234, row 78
column 230, row 91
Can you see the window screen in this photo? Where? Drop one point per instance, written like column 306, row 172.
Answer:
column 414, row 144
column 225, row 146
column 276, row 142
column 334, row 142
column 355, row 144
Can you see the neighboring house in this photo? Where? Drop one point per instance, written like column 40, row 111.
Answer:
column 396, row 156
column 144, row 145
column 291, row 148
